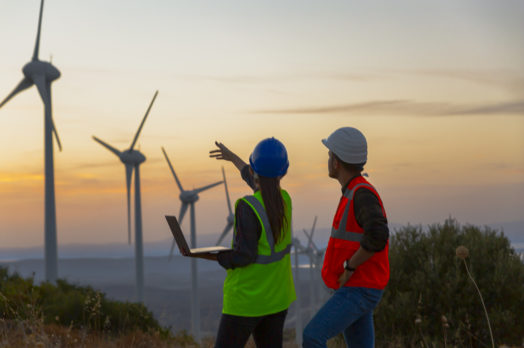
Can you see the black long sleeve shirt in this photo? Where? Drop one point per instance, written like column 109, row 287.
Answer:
column 370, row 217
column 248, row 231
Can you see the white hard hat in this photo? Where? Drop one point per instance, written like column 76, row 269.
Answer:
column 349, row 144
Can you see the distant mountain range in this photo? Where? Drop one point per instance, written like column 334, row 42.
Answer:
column 513, row 230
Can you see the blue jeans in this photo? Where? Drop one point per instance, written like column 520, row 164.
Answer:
column 350, row 311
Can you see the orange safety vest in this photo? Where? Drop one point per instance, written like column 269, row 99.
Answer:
column 345, row 239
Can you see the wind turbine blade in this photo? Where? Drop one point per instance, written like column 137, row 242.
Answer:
column 183, row 210
column 37, row 44
column 172, row 170
column 229, row 226
column 44, row 89
column 298, row 246
column 171, row 251
column 310, row 243
column 314, row 224
column 39, row 81
column 129, row 174
column 308, row 236
column 143, row 121
column 107, row 146
column 208, row 187
column 313, row 231
column 50, row 101
column 56, row 136
column 227, row 193
column 24, row 84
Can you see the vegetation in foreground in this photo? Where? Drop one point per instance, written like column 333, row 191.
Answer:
column 67, row 315
column 429, row 302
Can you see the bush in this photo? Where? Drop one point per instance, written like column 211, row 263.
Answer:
column 71, row 305
column 428, row 281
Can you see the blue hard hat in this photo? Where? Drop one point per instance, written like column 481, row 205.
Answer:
column 269, row 158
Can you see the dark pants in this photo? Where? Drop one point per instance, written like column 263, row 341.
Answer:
column 267, row 330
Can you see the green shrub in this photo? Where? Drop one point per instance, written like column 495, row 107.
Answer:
column 18, row 297
column 428, row 281
column 71, row 305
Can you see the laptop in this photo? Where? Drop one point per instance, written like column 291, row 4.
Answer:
column 182, row 244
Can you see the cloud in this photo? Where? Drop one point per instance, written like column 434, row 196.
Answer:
column 90, row 165
column 20, row 177
column 107, row 164
column 407, row 108
column 510, row 81
column 277, row 78
column 510, row 108
column 376, row 105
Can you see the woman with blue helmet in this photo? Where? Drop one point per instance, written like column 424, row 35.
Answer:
column 258, row 288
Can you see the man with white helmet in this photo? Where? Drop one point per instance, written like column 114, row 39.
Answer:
column 356, row 260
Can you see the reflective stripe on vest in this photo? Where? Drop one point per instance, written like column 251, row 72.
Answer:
column 275, row 256
column 374, row 273
column 341, row 232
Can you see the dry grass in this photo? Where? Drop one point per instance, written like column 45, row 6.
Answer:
column 17, row 333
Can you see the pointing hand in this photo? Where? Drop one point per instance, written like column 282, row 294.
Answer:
column 223, row 153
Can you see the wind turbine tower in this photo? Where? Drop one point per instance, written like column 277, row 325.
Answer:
column 188, row 199
column 132, row 159
column 299, row 249
column 42, row 74
column 231, row 217
column 312, row 252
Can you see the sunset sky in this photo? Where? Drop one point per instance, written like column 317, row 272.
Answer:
column 437, row 87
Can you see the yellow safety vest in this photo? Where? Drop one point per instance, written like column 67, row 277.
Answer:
column 265, row 286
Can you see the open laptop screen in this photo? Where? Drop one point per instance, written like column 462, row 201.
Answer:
column 182, row 244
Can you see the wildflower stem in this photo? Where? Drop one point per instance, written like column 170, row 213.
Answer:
column 482, row 301
column 422, row 336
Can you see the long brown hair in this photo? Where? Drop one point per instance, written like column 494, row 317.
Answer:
column 274, row 204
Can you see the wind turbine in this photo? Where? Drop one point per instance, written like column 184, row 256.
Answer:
column 315, row 253
column 311, row 251
column 42, row 74
column 132, row 159
column 231, row 217
column 189, row 198
column 299, row 249
column 315, row 265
